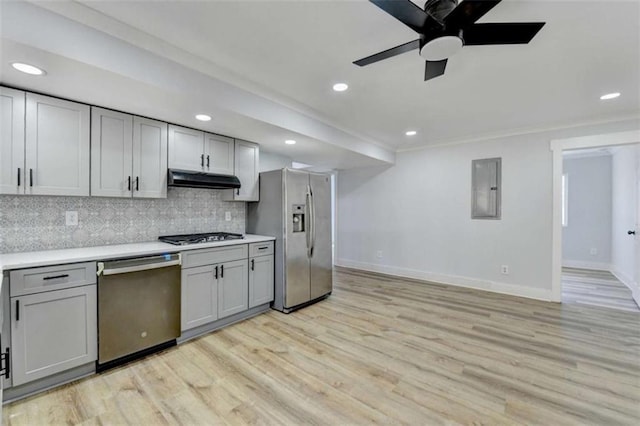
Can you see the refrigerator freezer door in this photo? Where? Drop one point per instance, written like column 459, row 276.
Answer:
column 297, row 288
column 321, row 262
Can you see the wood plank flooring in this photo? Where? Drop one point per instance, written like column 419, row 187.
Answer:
column 596, row 288
column 379, row 350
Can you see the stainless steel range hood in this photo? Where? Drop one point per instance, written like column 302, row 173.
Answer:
column 190, row 179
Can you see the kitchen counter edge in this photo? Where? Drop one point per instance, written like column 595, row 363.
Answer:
column 34, row 259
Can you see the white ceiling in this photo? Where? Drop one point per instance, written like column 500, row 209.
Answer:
column 291, row 52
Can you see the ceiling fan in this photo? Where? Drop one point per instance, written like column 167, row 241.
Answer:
column 445, row 27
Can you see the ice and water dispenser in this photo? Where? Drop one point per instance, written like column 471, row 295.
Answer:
column 298, row 217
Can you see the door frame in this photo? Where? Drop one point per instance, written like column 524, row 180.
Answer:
column 557, row 146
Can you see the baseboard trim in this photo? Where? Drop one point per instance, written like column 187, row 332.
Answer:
column 458, row 281
column 629, row 282
column 581, row 264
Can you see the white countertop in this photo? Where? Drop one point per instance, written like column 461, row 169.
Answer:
column 57, row 257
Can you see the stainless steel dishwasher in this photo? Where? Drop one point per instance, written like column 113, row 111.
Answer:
column 138, row 307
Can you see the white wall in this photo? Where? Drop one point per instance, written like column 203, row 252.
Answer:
column 271, row 161
column 418, row 214
column 624, row 202
column 589, row 213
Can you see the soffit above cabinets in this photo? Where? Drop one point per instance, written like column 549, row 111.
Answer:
column 305, row 47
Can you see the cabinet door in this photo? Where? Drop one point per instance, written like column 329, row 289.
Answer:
column 111, row 148
column 233, row 288
column 57, row 147
column 11, row 141
column 246, row 169
column 219, row 154
column 199, row 298
column 149, row 158
column 186, row 149
column 52, row 332
column 260, row 280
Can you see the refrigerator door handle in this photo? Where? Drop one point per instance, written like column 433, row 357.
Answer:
column 309, row 221
column 313, row 224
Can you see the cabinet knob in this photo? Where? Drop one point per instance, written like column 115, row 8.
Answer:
column 631, row 232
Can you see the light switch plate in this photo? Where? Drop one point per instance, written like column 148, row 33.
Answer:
column 227, row 216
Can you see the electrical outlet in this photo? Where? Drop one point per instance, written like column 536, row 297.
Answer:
column 593, row 251
column 379, row 254
column 227, row 216
column 504, row 269
column 71, row 218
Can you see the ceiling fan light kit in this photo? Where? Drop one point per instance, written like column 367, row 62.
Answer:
column 444, row 27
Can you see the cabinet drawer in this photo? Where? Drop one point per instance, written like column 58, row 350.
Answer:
column 36, row 280
column 214, row 255
column 260, row 249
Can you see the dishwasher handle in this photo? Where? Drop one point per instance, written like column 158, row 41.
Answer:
column 139, row 264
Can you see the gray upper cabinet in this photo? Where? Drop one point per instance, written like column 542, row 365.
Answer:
column 186, row 149
column 128, row 155
column 219, row 154
column 56, row 147
column 52, row 332
column 247, row 162
column 111, row 153
column 233, row 288
column 200, row 152
column 11, row 141
column 149, row 158
column 44, row 145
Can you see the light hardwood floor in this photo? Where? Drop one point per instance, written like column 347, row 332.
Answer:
column 596, row 288
column 379, row 350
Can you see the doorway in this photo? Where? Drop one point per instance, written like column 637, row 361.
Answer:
column 599, row 209
column 629, row 270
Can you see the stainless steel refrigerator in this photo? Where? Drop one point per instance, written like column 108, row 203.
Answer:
column 295, row 207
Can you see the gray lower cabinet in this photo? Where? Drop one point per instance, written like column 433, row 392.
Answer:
column 52, row 331
column 199, row 298
column 260, row 280
column 233, row 288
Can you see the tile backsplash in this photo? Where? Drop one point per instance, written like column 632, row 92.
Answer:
column 30, row 223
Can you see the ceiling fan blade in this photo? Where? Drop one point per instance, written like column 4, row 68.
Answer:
column 434, row 69
column 468, row 12
column 501, row 33
column 404, row 11
column 412, row 45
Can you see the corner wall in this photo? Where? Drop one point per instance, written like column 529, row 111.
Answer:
column 586, row 240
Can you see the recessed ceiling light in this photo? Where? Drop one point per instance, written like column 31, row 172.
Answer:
column 340, row 87
column 28, row 69
column 290, row 142
column 411, row 133
column 203, row 117
column 609, row 96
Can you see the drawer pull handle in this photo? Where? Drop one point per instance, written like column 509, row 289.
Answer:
column 17, row 310
column 263, row 248
column 253, row 264
column 55, row 277
column 6, row 367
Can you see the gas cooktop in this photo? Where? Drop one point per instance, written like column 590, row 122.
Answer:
column 181, row 240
